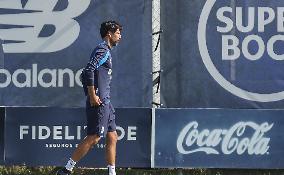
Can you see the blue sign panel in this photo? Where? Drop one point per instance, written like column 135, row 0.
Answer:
column 218, row 138
column 48, row 136
column 2, row 118
column 223, row 54
column 47, row 43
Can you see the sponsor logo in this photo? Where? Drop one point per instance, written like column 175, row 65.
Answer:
column 67, row 136
column 241, row 138
column 27, row 78
column 27, row 22
column 243, row 35
column 109, row 71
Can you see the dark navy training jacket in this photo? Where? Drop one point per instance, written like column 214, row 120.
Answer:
column 98, row 72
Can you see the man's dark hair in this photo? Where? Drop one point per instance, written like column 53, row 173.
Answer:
column 109, row 26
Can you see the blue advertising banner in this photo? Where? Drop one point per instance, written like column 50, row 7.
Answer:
column 218, row 138
column 222, row 54
column 48, row 136
column 47, row 43
column 2, row 119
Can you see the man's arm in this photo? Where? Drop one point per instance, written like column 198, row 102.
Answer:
column 94, row 99
column 96, row 57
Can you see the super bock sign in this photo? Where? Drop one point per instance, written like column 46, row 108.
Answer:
column 245, row 33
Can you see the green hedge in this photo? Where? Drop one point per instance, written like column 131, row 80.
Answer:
column 22, row 170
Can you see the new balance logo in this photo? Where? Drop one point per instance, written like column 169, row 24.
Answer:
column 35, row 26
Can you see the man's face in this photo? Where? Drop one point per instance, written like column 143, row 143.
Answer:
column 115, row 37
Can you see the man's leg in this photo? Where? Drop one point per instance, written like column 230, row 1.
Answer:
column 84, row 147
column 93, row 133
column 95, row 130
column 111, row 140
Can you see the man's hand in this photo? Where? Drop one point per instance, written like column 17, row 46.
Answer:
column 95, row 100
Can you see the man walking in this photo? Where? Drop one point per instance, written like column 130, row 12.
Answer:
column 96, row 79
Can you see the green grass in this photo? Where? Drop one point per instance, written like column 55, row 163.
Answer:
column 23, row 170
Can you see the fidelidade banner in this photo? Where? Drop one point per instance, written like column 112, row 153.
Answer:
column 48, row 137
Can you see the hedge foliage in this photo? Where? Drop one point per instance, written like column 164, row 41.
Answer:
column 23, row 170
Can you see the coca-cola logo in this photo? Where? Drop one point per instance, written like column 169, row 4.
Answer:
column 241, row 138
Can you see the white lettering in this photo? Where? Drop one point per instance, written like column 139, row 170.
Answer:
column 79, row 132
column 232, row 51
column 52, row 73
column 26, row 73
column 261, row 17
column 280, row 19
column 66, row 28
column 57, row 132
column 26, row 78
column 239, row 19
column 131, row 133
column 266, row 15
column 8, row 78
column 67, row 136
column 41, row 136
column 58, row 145
column 23, row 130
column 122, row 132
column 261, row 47
column 270, row 45
column 33, row 132
column 61, row 73
column 190, row 140
column 226, row 47
column 224, row 19
column 64, row 132
column 35, row 79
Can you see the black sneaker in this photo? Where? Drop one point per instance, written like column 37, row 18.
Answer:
column 63, row 171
